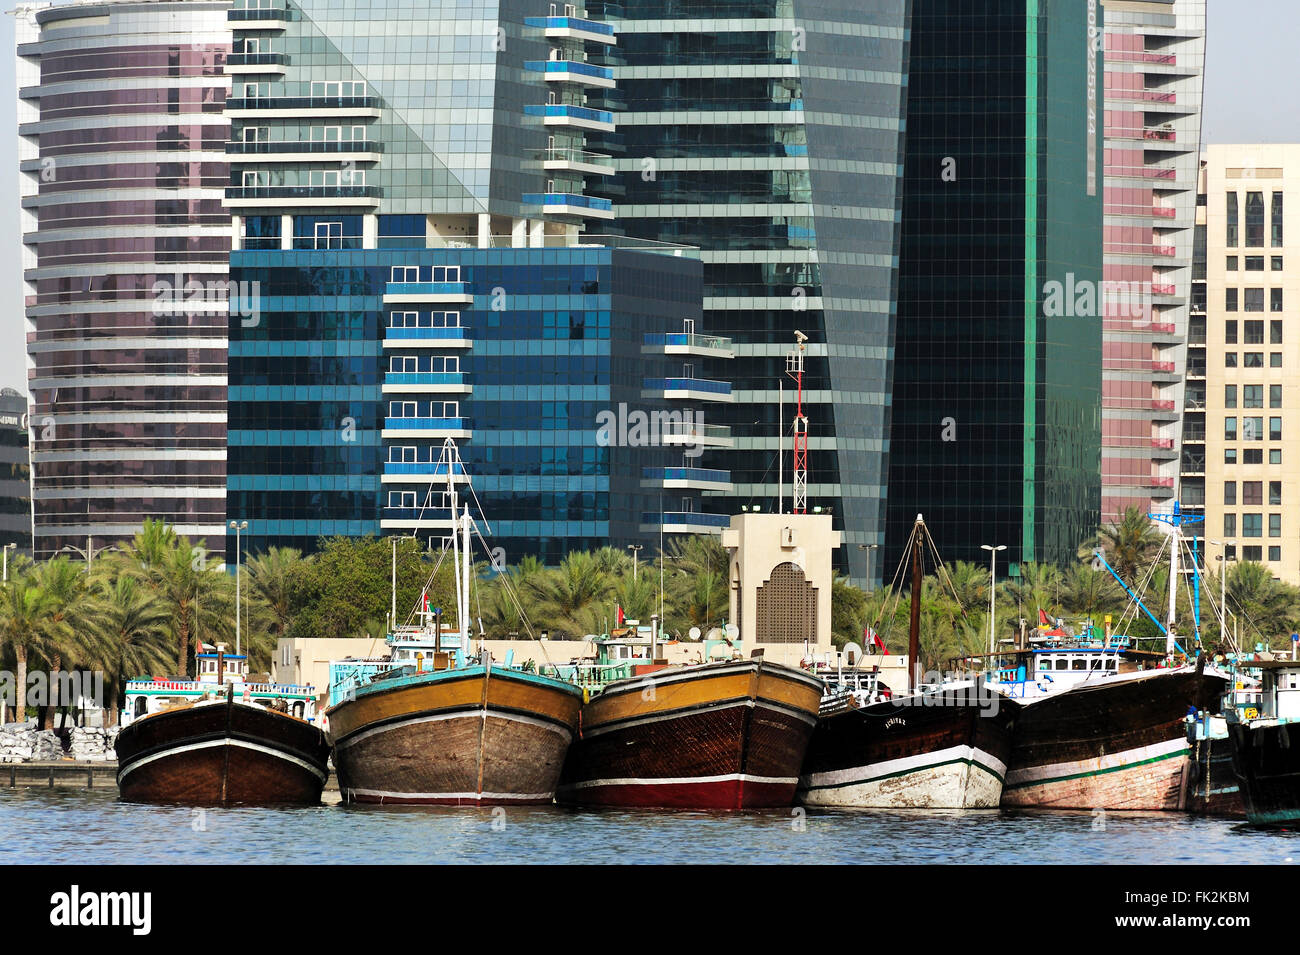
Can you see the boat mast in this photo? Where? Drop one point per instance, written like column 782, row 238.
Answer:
column 914, row 626
column 799, row 481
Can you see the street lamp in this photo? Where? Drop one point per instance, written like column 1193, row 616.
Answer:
column 636, row 550
column 870, row 558
column 237, row 527
column 1223, row 587
column 993, row 556
column 88, row 553
column 7, row 548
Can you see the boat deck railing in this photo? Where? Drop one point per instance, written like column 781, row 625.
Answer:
column 590, row 676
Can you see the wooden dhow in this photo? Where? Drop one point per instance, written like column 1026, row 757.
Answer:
column 212, row 743
column 727, row 735
column 941, row 746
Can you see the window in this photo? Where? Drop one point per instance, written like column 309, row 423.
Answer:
column 1275, row 396
column 256, row 90
column 1229, row 492
column 1229, row 525
column 1275, row 330
column 1252, row 456
column 336, row 89
column 1275, row 525
column 1252, row 525
column 1254, row 219
column 1254, row 333
column 405, row 273
column 329, row 235
column 1252, row 429
column 1275, row 553
column 1229, row 455
column 1253, row 300
column 1250, row 553
column 1230, row 359
column 1252, row 359
column 1275, row 429
column 1252, row 493
column 258, row 177
column 1230, row 552
column 1234, row 220
column 1275, row 359
column 1230, row 300
column 1229, row 429
column 1275, row 456
column 1230, row 396
column 1230, row 330
column 257, row 134
column 1276, row 264
column 1254, row 263
column 1275, row 300
column 1275, row 493
column 1277, row 220
column 1231, row 264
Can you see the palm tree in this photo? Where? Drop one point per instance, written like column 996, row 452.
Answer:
column 63, row 584
column 1129, row 544
column 24, row 615
column 269, row 584
column 563, row 593
column 127, row 633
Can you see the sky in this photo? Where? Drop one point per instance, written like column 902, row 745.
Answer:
column 1252, row 74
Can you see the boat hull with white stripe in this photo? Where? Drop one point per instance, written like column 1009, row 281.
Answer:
column 469, row 736
column 939, row 750
column 222, row 752
column 728, row 736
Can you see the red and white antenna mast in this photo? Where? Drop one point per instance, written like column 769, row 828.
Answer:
column 794, row 368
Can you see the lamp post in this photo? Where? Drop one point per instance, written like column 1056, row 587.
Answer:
column 7, row 548
column 869, row 548
column 636, row 551
column 1223, row 587
column 88, row 553
column 237, row 527
column 993, row 556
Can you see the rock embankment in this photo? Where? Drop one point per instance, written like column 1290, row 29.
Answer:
column 23, row 742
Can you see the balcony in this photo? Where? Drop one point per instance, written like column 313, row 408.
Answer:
column 1163, row 367
column 683, row 522
column 698, row 479
column 297, row 152
column 1164, row 250
column 303, row 107
column 415, row 518
column 442, row 337
column 1159, row 482
column 426, row 383
column 1158, row 172
column 1150, row 96
column 1139, row 56
column 570, row 204
column 565, row 159
column 1162, row 444
column 1163, row 289
column 262, row 197
column 696, row 389
column 1163, row 408
column 241, row 63
column 572, row 71
column 432, row 428
column 1162, row 328
column 688, row 343
column 409, row 472
column 434, row 293
column 696, row 434
column 573, row 117
column 273, row 18
column 1163, row 212
column 574, row 28
column 1160, row 134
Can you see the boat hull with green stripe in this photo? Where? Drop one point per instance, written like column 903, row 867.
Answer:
column 935, row 750
column 1119, row 743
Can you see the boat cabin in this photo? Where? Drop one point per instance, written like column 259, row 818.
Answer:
column 1279, row 697
column 216, row 671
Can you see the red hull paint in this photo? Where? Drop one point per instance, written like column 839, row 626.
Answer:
column 729, row 794
column 416, row 801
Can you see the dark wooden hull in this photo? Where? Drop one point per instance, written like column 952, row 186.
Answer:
column 1266, row 760
column 949, row 754
column 468, row 737
column 222, row 754
column 1213, row 788
column 1118, row 744
column 719, row 736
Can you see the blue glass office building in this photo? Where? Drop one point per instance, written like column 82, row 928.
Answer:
column 413, row 263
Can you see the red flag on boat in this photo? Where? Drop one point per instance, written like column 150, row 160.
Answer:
column 424, row 600
column 619, row 610
column 873, row 639
column 1042, row 618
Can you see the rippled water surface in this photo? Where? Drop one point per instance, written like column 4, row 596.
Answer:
column 87, row 827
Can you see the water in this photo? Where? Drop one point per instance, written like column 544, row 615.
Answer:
column 92, row 828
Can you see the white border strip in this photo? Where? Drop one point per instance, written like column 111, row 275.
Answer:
column 281, row 754
column 906, row 764
column 683, row 781
column 1050, row 772
column 475, row 797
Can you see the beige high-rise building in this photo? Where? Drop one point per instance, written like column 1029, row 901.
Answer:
column 1252, row 356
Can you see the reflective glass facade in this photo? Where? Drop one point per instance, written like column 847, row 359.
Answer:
column 997, row 372
column 122, row 156
column 767, row 132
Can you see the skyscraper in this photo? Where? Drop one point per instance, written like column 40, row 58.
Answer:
column 1155, row 55
column 767, row 132
column 411, row 231
column 121, row 139
column 997, row 367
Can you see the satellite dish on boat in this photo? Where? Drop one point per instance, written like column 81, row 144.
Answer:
column 694, row 633
column 852, row 653
column 714, row 634
column 720, row 652
column 732, row 631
